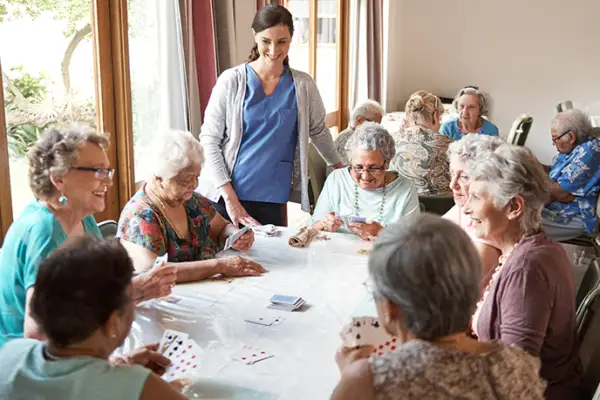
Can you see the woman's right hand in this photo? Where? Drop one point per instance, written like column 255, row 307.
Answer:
column 239, row 266
column 331, row 223
column 346, row 356
column 155, row 282
column 238, row 214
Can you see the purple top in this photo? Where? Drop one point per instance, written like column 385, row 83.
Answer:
column 532, row 305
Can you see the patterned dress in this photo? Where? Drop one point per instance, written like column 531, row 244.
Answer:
column 421, row 156
column 577, row 173
column 421, row 370
column 143, row 223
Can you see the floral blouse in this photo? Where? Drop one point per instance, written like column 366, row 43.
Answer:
column 143, row 223
column 577, row 173
column 421, row 157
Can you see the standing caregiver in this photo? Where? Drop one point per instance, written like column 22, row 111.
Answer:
column 257, row 126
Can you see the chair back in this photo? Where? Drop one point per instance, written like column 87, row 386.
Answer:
column 108, row 228
column 317, row 172
column 588, row 326
column 520, row 130
column 436, row 204
column 564, row 106
column 590, row 281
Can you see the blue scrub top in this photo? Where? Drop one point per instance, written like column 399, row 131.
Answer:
column 263, row 170
column 450, row 128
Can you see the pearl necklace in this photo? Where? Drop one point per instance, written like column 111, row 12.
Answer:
column 381, row 206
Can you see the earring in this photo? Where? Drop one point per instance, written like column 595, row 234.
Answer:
column 113, row 335
column 62, row 200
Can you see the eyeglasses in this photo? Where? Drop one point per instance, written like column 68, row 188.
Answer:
column 99, row 173
column 556, row 139
column 371, row 170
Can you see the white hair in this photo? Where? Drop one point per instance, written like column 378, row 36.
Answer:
column 371, row 136
column 173, row 151
column 482, row 99
column 511, row 171
column 575, row 121
column 367, row 109
column 471, row 146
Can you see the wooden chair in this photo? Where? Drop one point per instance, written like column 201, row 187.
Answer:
column 519, row 131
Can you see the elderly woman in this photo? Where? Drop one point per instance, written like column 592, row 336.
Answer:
column 529, row 300
column 257, row 126
column 69, row 175
column 83, row 328
column 366, row 111
column 471, row 105
column 166, row 216
column 366, row 189
column 425, row 292
column 574, row 177
column 462, row 154
column 420, row 149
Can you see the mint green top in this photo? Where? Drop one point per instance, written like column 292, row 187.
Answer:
column 30, row 239
column 27, row 374
column 339, row 193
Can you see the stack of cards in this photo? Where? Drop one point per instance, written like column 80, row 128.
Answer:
column 233, row 238
column 184, row 353
column 367, row 331
column 286, row 303
column 250, row 355
column 348, row 219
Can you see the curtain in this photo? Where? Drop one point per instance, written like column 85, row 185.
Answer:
column 366, row 51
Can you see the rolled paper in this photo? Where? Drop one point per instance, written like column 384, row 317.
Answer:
column 302, row 238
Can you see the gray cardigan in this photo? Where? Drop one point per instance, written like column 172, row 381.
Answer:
column 221, row 133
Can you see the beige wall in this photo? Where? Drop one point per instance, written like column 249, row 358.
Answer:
column 528, row 55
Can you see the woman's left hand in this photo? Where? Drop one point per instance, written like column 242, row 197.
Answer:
column 366, row 231
column 245, row 242
column 346, row 356
column 146, row 356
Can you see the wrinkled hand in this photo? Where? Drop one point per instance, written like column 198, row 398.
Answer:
column 239, row 266
column 331, row 223
column 346, row 356
column 154, row 283
column 366, row 231
column 244, row 242
column 180, row 384
column 146, row 356
column 238, row 214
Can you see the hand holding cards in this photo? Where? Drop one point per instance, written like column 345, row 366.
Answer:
column 184, row 354
column 286, row 303
column 234, row 238
column 367, row 331
column 348, row 219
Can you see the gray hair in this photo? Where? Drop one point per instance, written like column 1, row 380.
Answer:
column 482, row 99
column 54, row 154
column 471, row 146
column 367, row 109
column 575, row 121
column 428, row 267
column 371, row 136
column 173, row 151
column 511, row 171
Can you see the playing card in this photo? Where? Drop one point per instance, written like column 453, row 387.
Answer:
column 282, row 299
column 160, row 261
column 266, row 320
column 169, row 336
column 364, row 331
column 358, row 220
column 186, row 363
column 176, row 347
column 250, row 355
column 233, row 238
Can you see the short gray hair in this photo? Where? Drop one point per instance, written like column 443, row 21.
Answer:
column 173, row 151
column 428, row 267
column 366, row 109
column 54, row 154
column 510, row 171
column 371, row 136
column 482, row 99
column 575, row 121
column 472, row 145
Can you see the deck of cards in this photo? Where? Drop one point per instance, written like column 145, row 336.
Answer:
column 286, row 303
column 367, row 331
column 185, row 355
column 348, row 219
column 234, row 238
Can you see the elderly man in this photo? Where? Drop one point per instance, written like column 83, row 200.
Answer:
column 370, row 111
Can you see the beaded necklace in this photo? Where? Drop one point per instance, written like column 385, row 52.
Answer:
column 381, row 206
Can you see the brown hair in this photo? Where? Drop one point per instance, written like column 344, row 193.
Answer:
column 267, row 17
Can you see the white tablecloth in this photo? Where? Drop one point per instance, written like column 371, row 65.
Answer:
column 329, row 275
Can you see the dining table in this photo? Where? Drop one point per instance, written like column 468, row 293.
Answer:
column 329, row 273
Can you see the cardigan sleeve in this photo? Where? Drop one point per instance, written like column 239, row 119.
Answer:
column 319, row 133
column 214, row 129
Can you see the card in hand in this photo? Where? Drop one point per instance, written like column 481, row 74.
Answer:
column 168, row 338
column 160, row 261
column 367, row 331
column 185, row 363
column 251, row 355
column 233, row 238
